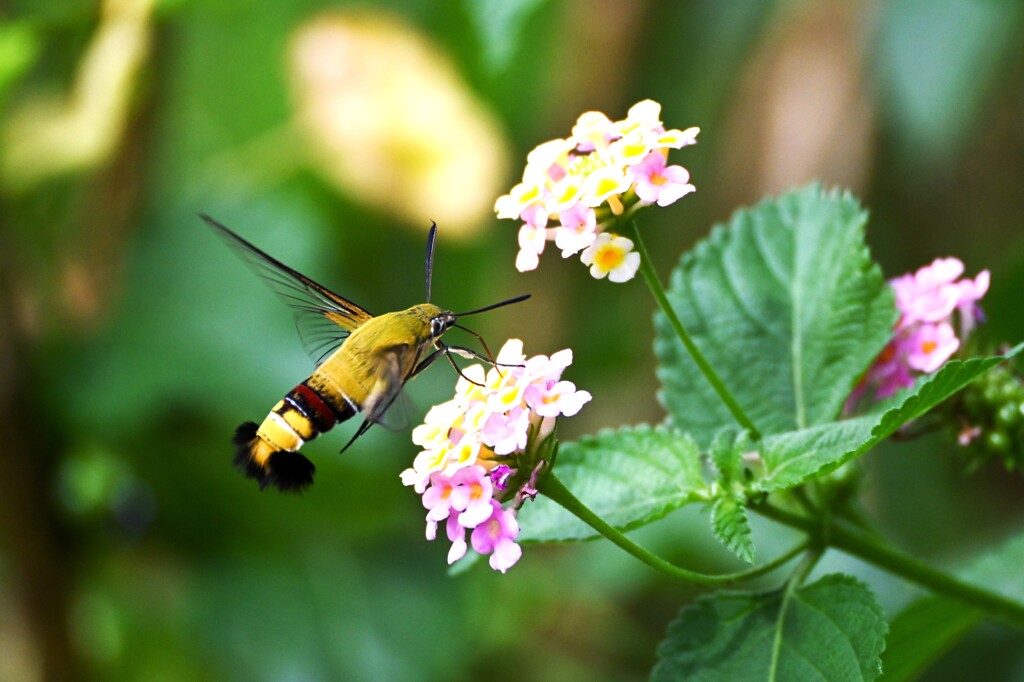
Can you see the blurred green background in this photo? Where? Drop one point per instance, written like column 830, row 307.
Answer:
column 331, row 134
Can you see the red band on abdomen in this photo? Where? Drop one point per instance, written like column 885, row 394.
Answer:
column 323, row 411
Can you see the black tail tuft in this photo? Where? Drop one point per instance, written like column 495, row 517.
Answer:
column 285, row 470
column 243, row 440
column 289, row 471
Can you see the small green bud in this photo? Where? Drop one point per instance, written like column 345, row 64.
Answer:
column 994, row 377
column 1008, row 414
column 1011, row 389
column 997, row 440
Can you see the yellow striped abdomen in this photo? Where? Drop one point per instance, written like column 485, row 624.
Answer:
column 269, row 452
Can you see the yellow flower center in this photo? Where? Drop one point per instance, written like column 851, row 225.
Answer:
column 609, row 257
column 585, row 164
column 605, row 186
column 928, row 346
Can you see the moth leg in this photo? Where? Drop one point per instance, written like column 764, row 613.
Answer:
column 425, row 362
column 471, row 354
column 363, row 428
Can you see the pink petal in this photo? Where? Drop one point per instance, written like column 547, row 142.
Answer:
column 506, row 554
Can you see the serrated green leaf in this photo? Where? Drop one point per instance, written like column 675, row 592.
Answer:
column 831, row 630
column 926, row 628
column 629, row 477
column 730, row 525
column 792, row 458
column 930, row 390
column 726, row 452
column 786, row 304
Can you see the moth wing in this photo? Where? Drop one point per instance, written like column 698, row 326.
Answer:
column 323, row 318
column 386, row 391
column 391, row 373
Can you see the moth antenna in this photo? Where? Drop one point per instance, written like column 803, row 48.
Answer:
column 509, row 301
column 431, row 236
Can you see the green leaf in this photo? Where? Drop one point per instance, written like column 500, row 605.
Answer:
column 637, row 475
column 726, row 453
column 922, row 632
column 792, row 458
column 928, row 627
column 831, row 630
column 730, row 525
column 786, row 304
column 930, row 390
column 629, row 477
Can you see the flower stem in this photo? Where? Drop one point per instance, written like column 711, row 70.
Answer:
column 651, row 278
column 868, row 549
column 556, row 490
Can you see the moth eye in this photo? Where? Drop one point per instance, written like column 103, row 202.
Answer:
column 436, row 326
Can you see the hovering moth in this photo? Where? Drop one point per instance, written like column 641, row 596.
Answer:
column 362, row 363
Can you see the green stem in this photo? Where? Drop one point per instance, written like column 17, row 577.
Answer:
column 802, row 570
column 556, row 490
column 870, row 550
column 800, row 495
column 651, row 278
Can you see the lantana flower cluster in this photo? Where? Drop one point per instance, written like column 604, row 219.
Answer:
column 924, row 337
column 477, row 442
column 573, row 188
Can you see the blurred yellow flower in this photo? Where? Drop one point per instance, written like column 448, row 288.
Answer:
column 388, row 119
column 48, row 135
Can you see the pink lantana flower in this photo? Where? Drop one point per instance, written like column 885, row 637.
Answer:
column 578, row 229
column 497, row 536
column 457, row 536
column 474, row 444
column 931, row 294
column 471, row 495
column 532, row 236
column 553, row 398
column 438, row 497
column 924, row 337
column 507, row 432
column 603, row 172
column 500, row 475
column 890, row 373
column 656, row 183
column 930, row 346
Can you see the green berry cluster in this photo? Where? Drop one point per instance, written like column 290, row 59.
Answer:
column 990, row 418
